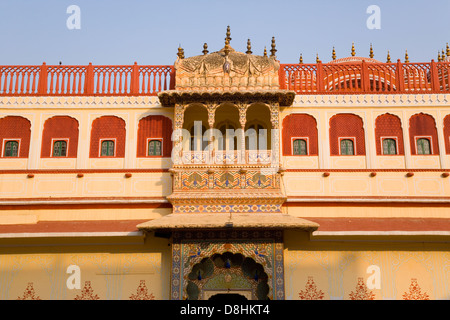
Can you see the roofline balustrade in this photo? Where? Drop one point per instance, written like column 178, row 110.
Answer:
column 149, row 80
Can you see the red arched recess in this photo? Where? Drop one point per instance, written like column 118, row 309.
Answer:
column 447, row 133
column 346, row 125
column 423, row 125
column 389, row 125
column 109, row 128
column 299, row 125
column 16, row 128
column 154, row 127
column 60, row 127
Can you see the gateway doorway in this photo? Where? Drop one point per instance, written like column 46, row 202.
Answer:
column 227, row 276
column 228, row 297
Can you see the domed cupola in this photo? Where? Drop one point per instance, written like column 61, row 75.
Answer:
column 353, row 58
column 227, row 70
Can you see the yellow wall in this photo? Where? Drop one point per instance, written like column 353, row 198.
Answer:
column 362, row 184
column 335, row 267
column 114, row 269
column 57, row 185
column 116, row 265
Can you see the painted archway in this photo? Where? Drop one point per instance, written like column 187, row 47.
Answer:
column 227, row 273
column 250, row 252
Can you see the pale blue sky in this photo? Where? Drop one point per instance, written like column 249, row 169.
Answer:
column 149, row 32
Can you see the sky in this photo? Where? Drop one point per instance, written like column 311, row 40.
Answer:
column 149, row 32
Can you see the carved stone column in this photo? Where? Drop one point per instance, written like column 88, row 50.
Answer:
column 178, row 126
column 275, row 134
column 179, row 116
column 211, row 120
column 242, row 121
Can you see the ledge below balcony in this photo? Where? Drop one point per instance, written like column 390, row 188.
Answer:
column 179, row 221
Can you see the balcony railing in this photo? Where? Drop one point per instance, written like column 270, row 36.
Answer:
column 262, row 157
column 318, row 78
column 85, row 80
column 365, row 77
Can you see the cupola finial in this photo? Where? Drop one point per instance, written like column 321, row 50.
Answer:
column 226, row 49
column 180, row 53
column 249, row 47
column 273, row 50
column 228, row 35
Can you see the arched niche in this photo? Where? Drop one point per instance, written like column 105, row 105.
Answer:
column 17, row 129
column 195, row 112
column 226, row 121
column 108, row 128
column 348, row 127
column 258, row 127
column 388, row 127
column 423, row 126
column 60, row 127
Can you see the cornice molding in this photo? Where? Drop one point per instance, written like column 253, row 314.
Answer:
column 302, row 100
column 77, row 101
column 371, row 100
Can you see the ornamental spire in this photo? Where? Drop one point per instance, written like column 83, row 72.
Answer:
column 273, row 50
column 448, row 50
column 226, row 49
column 317, row 58
column 371, row 51
column 228, row 35
column 406, row 56
column 439, row 56
column 353, row 49
column 265, row 52
column 333, row 54
column 388, row 58
column 301, row 59
column 249, row 47
column 205, row 49
column 180, row 53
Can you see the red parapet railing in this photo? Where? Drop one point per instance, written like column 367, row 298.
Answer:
column 366, row 77
column 58, row 80
column 134, row 80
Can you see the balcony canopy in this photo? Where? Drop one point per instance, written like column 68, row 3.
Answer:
column 283, row 97
column 179, row 221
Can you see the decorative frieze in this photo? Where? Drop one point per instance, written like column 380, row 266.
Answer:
column 233, row 208
column 224, row 179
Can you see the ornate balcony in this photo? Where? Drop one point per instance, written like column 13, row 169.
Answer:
column 223, row 189
column 262, row 157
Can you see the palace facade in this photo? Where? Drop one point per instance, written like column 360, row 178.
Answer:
column 226, row 175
